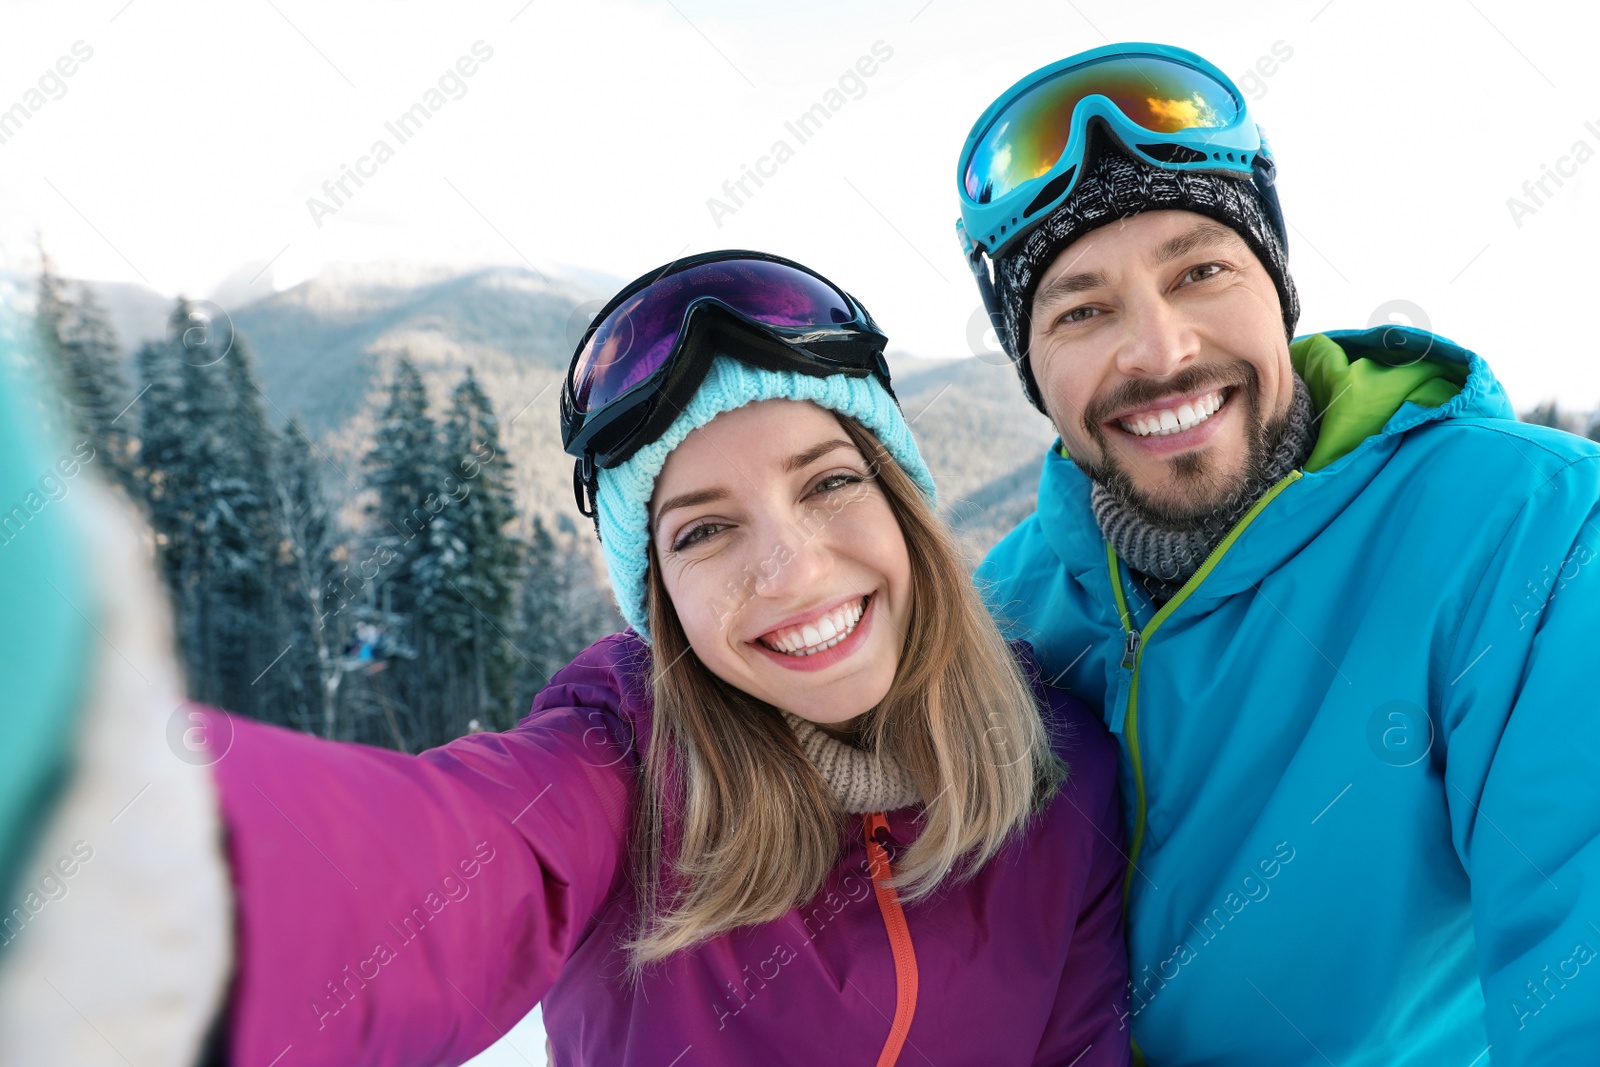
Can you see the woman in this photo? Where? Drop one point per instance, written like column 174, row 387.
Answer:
column 810, row 808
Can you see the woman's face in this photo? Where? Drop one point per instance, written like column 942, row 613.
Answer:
column 784, row 562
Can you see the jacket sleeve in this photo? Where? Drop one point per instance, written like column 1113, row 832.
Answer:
column 1089, row 1024
column 396, row 909
column 1522, row 774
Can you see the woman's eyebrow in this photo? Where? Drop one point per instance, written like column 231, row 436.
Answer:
column 689, row 500
column 814, row 453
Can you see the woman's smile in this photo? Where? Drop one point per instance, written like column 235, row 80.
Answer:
column 829, row 638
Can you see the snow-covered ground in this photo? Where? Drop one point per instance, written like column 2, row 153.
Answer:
column 524, row 1045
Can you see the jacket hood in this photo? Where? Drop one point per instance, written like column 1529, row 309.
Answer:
column 1362, row 382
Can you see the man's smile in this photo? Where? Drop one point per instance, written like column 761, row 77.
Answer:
column 1172, row 415
column 1175, row 424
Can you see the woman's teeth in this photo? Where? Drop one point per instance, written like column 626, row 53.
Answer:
column 1173, row 420
column 818, row 636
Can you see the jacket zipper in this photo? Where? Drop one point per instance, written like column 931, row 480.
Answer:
column 894, row 921
column 1127, row 719
column 1133, row 655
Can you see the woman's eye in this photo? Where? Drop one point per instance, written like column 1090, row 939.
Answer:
column 696, row 535
column 835, row 482
column 1202, row 272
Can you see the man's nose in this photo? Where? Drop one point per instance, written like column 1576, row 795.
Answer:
column 1157, row 339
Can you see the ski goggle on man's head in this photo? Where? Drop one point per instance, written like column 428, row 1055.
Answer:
column 1161, row 104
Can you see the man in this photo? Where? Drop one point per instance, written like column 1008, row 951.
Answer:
column 1337, row 604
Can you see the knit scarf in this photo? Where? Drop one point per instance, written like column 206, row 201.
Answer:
column 860, row 779
column 1164, row 559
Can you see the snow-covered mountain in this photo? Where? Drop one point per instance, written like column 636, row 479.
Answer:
column 324, row 351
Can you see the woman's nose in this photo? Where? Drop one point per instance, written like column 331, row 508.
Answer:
column 794, row 564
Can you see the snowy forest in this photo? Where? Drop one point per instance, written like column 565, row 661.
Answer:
column 441, row 612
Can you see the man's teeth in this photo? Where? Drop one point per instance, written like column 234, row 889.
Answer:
column 1173, row 420
column 817, row 636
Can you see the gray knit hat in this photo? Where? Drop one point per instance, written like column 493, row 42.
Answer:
column 1116, row 186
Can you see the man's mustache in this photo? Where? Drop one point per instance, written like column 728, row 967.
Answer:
column 1141, row 392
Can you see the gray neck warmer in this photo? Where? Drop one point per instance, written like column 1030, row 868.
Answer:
column 1164, row 559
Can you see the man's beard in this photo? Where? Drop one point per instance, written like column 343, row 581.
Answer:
column 1214, row 500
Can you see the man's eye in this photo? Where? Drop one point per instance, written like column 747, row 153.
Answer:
column 1202, row 272
column 1079, row 314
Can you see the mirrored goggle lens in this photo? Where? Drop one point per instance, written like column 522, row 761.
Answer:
column 634, row 341
column 1027, row 139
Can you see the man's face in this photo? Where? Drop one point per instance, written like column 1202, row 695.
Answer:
column 1159, row 349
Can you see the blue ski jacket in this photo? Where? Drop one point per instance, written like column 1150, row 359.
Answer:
column 1360, row 748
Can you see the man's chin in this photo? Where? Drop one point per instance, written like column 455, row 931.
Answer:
column 1183, row 492
column 1191, row 491
column 1188, row 495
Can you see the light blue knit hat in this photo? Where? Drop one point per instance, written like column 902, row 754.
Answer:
column 623, row 500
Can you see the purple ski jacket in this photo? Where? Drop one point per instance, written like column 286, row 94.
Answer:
column 408, row 910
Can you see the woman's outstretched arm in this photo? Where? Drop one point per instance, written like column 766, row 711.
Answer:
column 403, row 909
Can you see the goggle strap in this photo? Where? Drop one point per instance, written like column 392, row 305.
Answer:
column 991, row 302
column 1265, row 181
column 586, row 490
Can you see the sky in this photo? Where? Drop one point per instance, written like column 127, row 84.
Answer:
column 189, row 147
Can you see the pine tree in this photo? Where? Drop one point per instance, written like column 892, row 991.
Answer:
column 467, row 581
column 544, row 601
column 1592, row 430
column 204, row 473
column 403, row 469
column 308, row 544
column 76, row 336
column 564, row 607
column 250, row 638
column 171, row 472
column 1546, row 414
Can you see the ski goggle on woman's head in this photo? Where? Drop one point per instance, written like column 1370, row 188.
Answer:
column 1162, row 104
column 648, row 350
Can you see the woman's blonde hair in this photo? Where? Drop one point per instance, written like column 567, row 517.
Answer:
column 736, row 826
